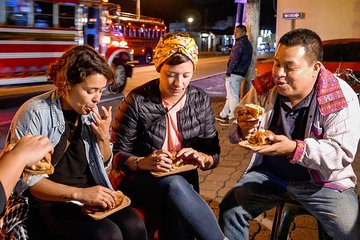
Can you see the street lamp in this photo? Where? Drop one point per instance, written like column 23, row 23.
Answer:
column 190, row 20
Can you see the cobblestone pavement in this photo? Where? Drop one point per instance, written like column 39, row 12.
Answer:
column 215, row 183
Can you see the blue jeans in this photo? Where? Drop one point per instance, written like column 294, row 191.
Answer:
column 232, row 86
column 256, row 192
column 177, row 203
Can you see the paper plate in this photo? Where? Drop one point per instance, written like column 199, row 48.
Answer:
column 102, row 214
column 38, row 172
column 252, row 147
column 186, row 167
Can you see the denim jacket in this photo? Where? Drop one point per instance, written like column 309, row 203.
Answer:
column 42, row 115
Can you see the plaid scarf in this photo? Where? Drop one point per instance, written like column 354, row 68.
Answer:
column 329, row 95
column 12, row 222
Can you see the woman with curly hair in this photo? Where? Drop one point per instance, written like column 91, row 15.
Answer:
column 69, row 117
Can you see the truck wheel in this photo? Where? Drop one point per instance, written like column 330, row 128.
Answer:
column 120, row 80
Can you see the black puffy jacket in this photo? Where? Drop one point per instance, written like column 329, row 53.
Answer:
column 139, row 124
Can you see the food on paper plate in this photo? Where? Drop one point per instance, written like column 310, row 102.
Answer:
column 43, row 166
column 119, row 198
column 255, row 110
column 99, row 213
column 260, row 137
column 178, row 165
column 176, row 161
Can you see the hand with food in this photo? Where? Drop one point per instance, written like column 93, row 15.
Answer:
column 97, row 196
column 118, row 199
column 158, row 161
column 27, row 151
column 249, row 116
column 280, row 146
column 192, row 156
column 36, row 151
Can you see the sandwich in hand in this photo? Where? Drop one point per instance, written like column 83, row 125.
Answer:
column 255, row 110
column 43, row 166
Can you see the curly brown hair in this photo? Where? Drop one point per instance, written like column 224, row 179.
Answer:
column 75, row 65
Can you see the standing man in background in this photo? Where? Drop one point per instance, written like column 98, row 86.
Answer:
column 238, row 65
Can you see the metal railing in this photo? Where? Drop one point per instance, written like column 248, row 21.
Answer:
column 347, row 74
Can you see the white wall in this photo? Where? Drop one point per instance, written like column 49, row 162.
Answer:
column 331, row 19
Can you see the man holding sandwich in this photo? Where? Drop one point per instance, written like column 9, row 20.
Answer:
column 314, row 118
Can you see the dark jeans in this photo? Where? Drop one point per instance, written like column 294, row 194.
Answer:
column 67, row 221
column 256, row 192
column 181, row 211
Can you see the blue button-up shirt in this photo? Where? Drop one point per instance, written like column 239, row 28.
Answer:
column 42, row 115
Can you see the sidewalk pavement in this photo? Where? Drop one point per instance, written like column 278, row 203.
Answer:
column 214, row 184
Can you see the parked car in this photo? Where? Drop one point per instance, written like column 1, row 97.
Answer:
column 225, row 49
column 341, row 56
column 265, row 46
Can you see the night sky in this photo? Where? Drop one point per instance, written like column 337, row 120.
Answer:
column 204, row 11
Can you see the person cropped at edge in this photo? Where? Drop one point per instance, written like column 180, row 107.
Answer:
column 238, row 65
column 315, row 117
column 68, row 116
column 164, row 115
column 27, row 151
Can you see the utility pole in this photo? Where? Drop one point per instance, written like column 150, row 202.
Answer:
column 253, row 28
column 138, row 15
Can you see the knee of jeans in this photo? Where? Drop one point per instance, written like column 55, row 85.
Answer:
column 234, row 216
column 175, row 186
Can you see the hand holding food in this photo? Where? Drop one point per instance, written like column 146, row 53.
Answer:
column 249, row 117
column 31, row 149
column 97, row 213
column 184, row 160
column 43, row 166
column 255, row 110
column 261, row 137
column 118, row 196
column 176, row 162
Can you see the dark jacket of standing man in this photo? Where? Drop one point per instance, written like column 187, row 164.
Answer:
column 238, row 65
column 241, row 53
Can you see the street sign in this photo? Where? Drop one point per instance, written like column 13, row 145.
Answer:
column 240, row 1
column 296, row 15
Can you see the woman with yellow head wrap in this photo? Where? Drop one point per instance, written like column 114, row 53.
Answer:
column 179, row 43
column 162, row 120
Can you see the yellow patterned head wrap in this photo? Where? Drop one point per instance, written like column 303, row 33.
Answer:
column 172, row 45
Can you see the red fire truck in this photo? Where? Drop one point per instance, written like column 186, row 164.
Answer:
column 34, row 33
column 142, row 33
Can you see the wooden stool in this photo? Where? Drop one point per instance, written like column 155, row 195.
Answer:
column 284, row 215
